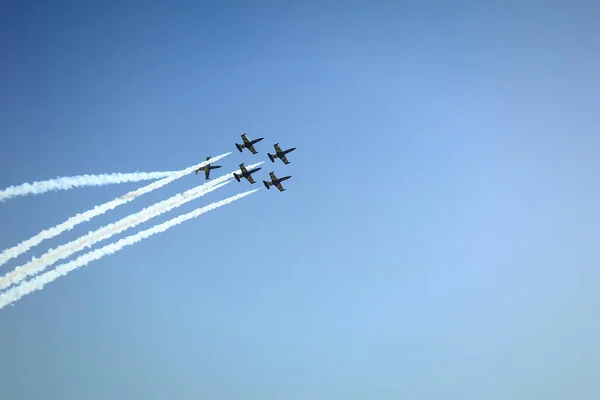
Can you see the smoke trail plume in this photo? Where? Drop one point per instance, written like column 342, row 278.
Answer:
column 70, row 182
column 24, row 246
column 53, row 255
column 40, row 281
column 38, row 265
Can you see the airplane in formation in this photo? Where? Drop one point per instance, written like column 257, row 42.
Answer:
column 275, row 181
column 245, row 173
column 207, row 168
column 248, row 144
column 280, row 154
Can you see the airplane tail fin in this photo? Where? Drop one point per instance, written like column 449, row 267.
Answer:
column 238, row 147
column 236, row 176
column 271, row 157
column 267, row 184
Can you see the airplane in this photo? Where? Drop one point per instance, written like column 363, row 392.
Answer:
column 245, row 173
column 275, row 181
column 248, row 144
column 207, row 169
column 280, row 154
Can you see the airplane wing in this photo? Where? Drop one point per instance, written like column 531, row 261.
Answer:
column 280, row 187
column 251, row 148
column 272, row 175
column 206, row 173
column 250, row 178
column 245, row 138
column 277, row 148
column 243, row 168
column 284, row 159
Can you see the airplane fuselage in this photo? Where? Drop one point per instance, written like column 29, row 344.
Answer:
column 283, row 153
column 279, row 180
column 249, row 173
column 275, row 182
column 207, row 167
column 256, row 141
column 249, row 143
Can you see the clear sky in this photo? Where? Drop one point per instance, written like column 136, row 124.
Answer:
column 438, row 239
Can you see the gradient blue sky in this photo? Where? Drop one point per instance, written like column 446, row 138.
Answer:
column 438, row 239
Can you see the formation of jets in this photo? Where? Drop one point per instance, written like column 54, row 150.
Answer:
column 247, row 174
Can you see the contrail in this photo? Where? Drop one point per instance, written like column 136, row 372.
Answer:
column 96, row 211
column 53, row 255
column 40, row 264
column 40, row 281
column 70, row 182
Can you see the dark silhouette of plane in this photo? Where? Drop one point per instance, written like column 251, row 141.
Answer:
column 245, row 173
column 280, row 154
column 248, row 144
column 207, row 168
column 275, row 181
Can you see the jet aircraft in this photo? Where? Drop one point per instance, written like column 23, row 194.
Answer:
column 275, row 181
column 245, row 173
column 248, row 144
column 280, row 154
column 207, row 168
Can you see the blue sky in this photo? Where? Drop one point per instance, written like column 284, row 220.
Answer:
column 438, row 238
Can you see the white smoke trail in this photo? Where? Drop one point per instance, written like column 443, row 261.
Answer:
column 69, row 224
column 53, row 255
column 70, row 182
column 40, row 281
column 40, row 264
